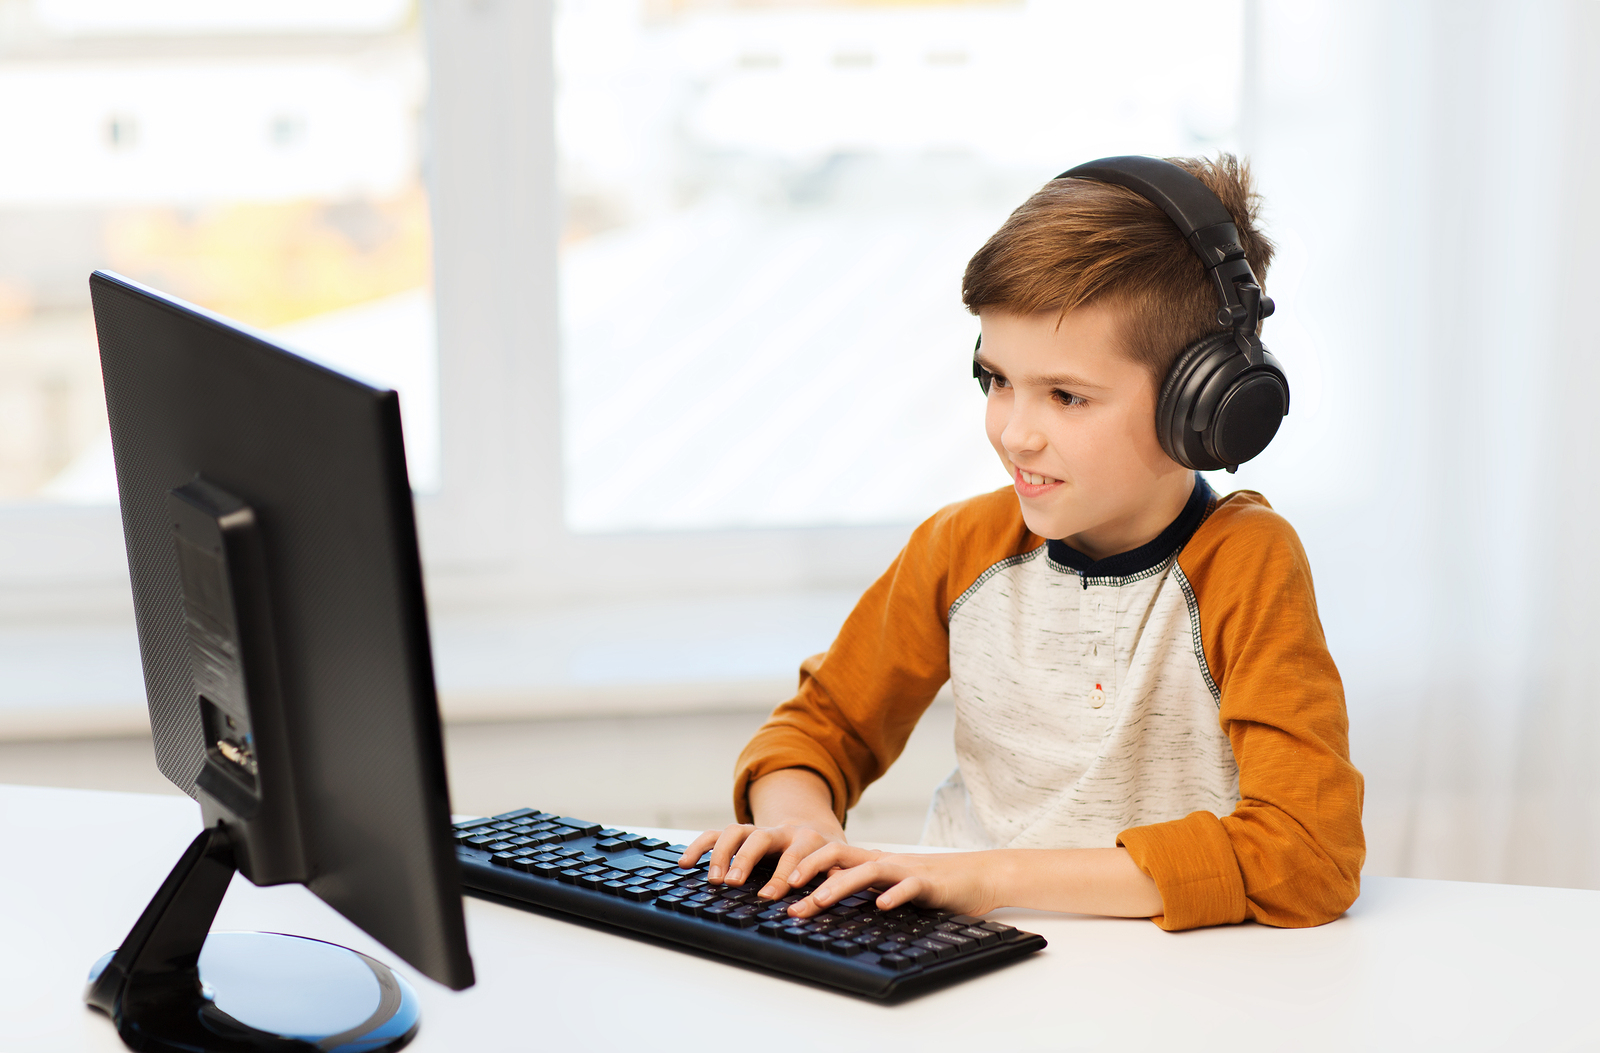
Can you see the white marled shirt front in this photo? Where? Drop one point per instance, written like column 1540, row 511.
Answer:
column 1083, row 707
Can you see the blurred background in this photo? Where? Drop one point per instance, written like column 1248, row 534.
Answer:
column 670, row 290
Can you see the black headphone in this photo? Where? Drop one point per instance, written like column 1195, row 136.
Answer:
column 1225, row 395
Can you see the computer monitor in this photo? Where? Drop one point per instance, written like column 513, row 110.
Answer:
column 278, row 594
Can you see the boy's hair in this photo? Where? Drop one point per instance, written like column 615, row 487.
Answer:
column 1080, row 241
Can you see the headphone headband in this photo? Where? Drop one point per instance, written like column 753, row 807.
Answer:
column 1209, row 229
column 1224, row 395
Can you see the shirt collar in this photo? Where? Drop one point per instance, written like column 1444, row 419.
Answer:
column 1147, row 556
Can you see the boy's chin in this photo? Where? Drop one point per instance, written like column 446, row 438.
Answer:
column 1043, row 523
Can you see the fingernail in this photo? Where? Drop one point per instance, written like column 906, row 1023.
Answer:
column 768, row 891
column 715, row 873
column 794, row 879
column 734, row 875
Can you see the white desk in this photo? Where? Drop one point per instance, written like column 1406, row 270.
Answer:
column 1415, row 965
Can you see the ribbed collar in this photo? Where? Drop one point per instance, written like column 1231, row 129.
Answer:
column 1146, row 556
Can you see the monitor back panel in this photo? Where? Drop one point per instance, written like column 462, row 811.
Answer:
column 319, row 457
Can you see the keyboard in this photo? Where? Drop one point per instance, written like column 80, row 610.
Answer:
column 538, row 859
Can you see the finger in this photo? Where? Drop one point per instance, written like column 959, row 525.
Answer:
column 805, row 843
column 900, row 894
column 842, row 883
column 697, row 848
column 832, row 854
column 727, row 843
column 752, row 852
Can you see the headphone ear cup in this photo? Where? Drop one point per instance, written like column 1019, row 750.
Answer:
column 1241, row 405
column 1180, row 392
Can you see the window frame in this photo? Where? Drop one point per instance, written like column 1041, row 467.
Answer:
column 494, row 534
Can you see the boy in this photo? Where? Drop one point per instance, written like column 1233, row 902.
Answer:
column 1132, row 657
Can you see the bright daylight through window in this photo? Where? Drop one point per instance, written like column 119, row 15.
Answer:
column 262, row 160
column 767, row 210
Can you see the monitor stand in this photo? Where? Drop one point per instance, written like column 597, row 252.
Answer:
column 171, row 987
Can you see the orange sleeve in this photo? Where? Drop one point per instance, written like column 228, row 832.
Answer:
column 1291, row 852
column 859, row 701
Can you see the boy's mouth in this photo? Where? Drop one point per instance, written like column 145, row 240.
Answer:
column 1031, row 484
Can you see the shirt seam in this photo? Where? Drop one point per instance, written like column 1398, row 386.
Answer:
column 991, row 571
column 1194, row 628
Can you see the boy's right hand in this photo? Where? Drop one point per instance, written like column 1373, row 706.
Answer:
column 736, row 849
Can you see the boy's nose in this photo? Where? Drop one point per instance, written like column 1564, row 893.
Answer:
column 1021, row 433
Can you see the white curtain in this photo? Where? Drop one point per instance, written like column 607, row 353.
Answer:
column 1433, row 173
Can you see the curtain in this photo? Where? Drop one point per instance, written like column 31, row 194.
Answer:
column 1432, row 172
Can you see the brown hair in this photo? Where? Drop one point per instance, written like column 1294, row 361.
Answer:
column 1080, row 241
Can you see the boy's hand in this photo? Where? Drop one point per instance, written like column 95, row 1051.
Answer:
column 736, row 849
column 963, row 882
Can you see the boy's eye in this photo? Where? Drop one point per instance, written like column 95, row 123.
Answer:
column 1067, row 398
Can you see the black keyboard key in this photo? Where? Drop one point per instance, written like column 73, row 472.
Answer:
column 741, row 918
column 962, row 944
column 719, row 908
column 589, row 858
column 964, row 920
column 650, row 844
column 470, row 824
column 569, row 876
column 1002, row 931
column 771, row 928
column 518, row 814
column 983, row 937
column 817, row 940
column 918, row 955
column 948, row 926
column 590, row 880
column 894, row 961
column 658, row 888
column 483, row 840
column 610, row 844
column 613, row 888
column 843, row 947
column 584, row 828
column 637, row 893
column 793, row 934
column 502, row 859
column 545, row 870
column 854, row 901
column 938, row 948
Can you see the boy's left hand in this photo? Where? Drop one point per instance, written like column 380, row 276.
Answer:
column 963, row 882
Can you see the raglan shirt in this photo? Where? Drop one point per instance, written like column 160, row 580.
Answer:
column 1177, row 700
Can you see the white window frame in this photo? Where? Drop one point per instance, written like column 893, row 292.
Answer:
column 494, row 534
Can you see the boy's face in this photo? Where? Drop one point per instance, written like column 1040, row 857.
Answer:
column 1073, row 420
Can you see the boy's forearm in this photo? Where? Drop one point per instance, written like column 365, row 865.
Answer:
column 1103, row 881
column 794, row 796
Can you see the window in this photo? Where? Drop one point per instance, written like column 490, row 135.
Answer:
column 766, row 213
column 261, row 160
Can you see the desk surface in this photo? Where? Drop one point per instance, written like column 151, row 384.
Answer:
column 1414, row 965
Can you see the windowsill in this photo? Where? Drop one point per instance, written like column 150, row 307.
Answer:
column 644, row 657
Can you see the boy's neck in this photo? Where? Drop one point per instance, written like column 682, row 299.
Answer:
column 1166, row 504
